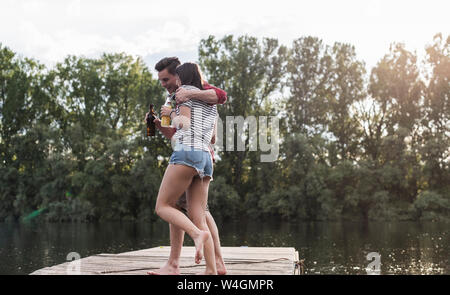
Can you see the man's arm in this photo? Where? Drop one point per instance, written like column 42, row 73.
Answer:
column 221, row 94
column 168, row 132
column 211, row 95
column 208, row 96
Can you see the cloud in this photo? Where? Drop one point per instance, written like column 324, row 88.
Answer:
column 74, row 8
column 49, row 30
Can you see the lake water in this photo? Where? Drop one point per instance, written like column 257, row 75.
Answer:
column 328, row 248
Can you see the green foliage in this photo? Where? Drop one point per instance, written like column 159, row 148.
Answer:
column 72, row 210
column 223, row 200
column 72, row 139
column 250, row 71
column 430, row 205
column 353, row 145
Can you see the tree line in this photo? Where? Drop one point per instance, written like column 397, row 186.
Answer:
column 354, row 145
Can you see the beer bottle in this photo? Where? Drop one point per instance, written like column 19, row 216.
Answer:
column 150, row 124
column 165, row 120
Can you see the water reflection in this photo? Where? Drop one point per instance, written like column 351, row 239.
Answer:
column 328, row 248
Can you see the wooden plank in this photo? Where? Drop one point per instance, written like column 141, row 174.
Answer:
column 238, row 260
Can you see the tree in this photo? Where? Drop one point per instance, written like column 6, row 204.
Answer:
column 435, row 151
column 251, row 72
column 308, row 79
column 397, row 88
column 346, row 89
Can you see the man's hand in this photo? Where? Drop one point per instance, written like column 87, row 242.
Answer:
column 183, row 95
column 157, row 123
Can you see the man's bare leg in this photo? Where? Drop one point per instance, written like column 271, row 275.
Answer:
column 220, row 264
column 197, row 198
column 176, row 242
column 172, row 266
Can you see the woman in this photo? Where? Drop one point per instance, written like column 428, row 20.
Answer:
column 190, row 168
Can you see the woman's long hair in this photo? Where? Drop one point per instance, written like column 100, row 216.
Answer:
column 189, row 74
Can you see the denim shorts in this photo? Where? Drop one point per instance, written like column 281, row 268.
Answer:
column 198, row 159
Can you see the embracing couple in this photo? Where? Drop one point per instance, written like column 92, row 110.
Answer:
column 184, row 188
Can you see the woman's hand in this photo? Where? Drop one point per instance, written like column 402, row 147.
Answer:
column 165, row 111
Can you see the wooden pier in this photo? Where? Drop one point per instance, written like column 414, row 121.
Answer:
column 238, row 260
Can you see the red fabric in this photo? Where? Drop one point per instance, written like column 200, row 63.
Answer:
column 221, row 94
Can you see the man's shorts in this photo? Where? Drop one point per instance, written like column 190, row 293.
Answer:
column 182, row 204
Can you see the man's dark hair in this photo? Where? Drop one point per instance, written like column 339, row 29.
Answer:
column 169, row 63
column 189, row 75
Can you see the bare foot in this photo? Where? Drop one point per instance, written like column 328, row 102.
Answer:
column 220, row 265
column 199, row 242
column 166, row 270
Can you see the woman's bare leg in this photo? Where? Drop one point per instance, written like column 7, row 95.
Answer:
column 197, row 197
column 177, row 179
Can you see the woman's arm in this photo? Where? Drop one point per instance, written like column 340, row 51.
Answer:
column 168, row 132
column 183, row 120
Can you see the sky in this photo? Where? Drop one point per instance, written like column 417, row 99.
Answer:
column 49, row 30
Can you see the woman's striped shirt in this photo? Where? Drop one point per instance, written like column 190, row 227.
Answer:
column 203, row 117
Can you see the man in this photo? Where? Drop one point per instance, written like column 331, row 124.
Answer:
column 213, row 95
